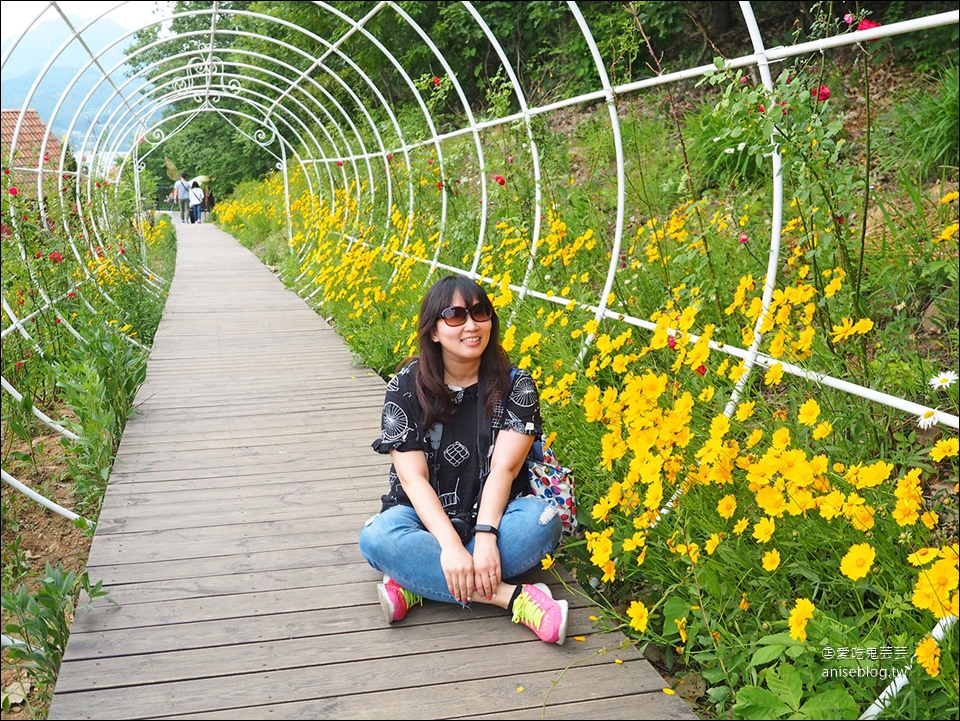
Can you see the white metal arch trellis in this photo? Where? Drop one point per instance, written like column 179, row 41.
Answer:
column 339, row 145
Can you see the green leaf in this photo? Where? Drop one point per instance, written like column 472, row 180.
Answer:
column 673, row 609
column 754, row 702
column 786, row 683
column 719, row 694
column 712, row 675
column 766, row 654
column 833, row 703
column 782, row 639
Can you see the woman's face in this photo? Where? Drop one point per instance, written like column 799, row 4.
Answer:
column 463, row 343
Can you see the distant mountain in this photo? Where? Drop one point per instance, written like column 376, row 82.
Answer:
column 42, row 42
column 35, row 50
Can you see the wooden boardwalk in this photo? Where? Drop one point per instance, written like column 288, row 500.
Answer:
column 228, row 544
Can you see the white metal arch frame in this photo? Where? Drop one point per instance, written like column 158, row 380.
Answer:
column 322, row 136
column 131, row 120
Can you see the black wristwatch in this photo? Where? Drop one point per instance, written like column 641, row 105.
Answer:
column 486, row 528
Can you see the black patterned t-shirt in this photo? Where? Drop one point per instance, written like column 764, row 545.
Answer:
column 452, row 449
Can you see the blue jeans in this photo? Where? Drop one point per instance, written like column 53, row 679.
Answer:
column 397, row 543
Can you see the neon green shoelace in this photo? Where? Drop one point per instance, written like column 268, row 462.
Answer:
column 410, row 597
column 526, row 609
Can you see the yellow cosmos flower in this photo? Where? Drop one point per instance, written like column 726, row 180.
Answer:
column 771, row 559
column 745, row 410
column 509, row 338
column 934, row 586
column 781, row 438
column 530, row 341
column 763, row 529
column 682, row 628
column 737, row 370
column 639, row 616
column 923, row 556
column 744, row 603
column 809, row 412
column 727, row 506
column 711, row 545
column 856, row 563
column 822, row 431
column 799, row 615
column 928, row 656
column 547, row 563
column 774, row 375
column 754, row 438
column 945, row 448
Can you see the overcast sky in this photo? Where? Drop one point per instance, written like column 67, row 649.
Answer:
column 16, row 16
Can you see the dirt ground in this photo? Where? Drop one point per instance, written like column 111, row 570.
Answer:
column 45, row 537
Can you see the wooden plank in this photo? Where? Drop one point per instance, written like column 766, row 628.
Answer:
column 218, row 562
column 545, row 694
column 351, row 677
column 290, row 654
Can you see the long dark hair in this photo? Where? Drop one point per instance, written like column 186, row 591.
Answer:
column 436, row 399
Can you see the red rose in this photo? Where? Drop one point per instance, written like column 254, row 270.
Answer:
column 440, row 185
column 56, row 257
column 672, row 342
column 822, row 93
column 339, row 163
column 436, row 81
column 702, row 370
column 13, row 190
column 500, row 179
column 866, row 25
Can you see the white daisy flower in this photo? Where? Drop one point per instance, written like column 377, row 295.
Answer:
column 928, row 419
column 944, row 380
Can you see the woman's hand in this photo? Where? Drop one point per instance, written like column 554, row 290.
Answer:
column 486, row 565
column 458, row 568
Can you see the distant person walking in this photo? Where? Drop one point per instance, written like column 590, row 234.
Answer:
column 182, row 189
column 196, row 202
column 208, row 202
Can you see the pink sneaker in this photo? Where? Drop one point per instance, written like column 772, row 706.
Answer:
column 536, row 609
column 395, row 600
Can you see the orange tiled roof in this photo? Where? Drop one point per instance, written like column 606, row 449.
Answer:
column 29, row 141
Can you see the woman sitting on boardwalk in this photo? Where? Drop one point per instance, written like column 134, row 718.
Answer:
column 457, row 523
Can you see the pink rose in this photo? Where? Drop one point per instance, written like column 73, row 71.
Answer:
column 822, row 93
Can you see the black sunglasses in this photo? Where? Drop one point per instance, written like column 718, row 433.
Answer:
column 457, row 315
